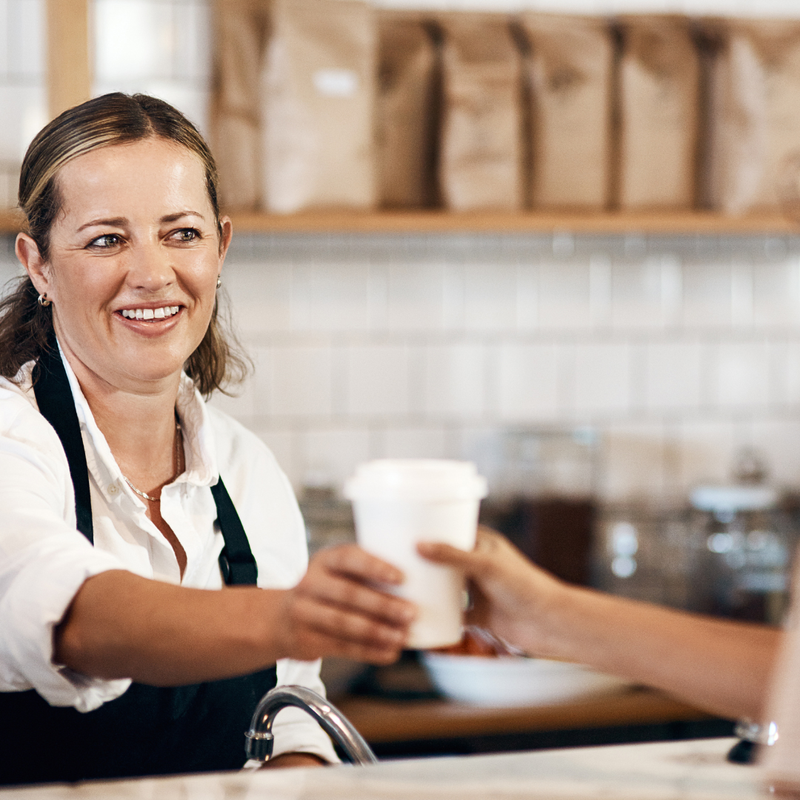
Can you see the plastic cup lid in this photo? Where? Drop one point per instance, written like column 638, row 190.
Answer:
column 416, row 479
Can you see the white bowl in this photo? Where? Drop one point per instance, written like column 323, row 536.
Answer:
column 514, row 681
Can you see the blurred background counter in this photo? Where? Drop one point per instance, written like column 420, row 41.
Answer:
column 429, row 727
column 401, row 715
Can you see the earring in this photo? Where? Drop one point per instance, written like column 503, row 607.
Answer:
column 43, row 301
column 219, row 281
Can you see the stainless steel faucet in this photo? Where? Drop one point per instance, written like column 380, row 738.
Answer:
column 259, row 739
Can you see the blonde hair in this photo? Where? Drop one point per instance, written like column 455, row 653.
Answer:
column 103, row 122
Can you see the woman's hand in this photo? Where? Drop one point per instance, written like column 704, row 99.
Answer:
column 337, row 609
column 509, row 594
column 286, row 760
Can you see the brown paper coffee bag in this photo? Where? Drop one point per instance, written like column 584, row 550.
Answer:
column 658, row 95
column 318, row 86
column 241, row 32
column 753, row 116
column 569, row 65
column 481, row 148
column 406, row 112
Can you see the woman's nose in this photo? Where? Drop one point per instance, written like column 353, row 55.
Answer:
column 151, row 267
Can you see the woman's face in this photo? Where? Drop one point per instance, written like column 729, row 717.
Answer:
column 133, row 265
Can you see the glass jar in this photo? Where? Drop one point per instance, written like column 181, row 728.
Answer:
column 741, row 549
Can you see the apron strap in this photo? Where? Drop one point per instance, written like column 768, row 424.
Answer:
column 54, row 397
column 236, row 559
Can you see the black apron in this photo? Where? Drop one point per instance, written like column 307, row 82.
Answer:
column 149, row 730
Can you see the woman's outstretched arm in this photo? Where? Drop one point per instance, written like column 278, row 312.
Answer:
column 120, row 625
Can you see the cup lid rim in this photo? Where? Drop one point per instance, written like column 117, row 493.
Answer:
column 418, row 477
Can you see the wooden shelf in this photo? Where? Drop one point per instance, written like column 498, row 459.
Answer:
column 667, row 223
column 509, row 222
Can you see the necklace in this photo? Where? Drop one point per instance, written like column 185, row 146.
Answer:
column 178, row 460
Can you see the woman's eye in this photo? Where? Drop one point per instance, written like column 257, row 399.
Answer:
column 186, row 235
column 105, row 241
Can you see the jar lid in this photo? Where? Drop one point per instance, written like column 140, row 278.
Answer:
column 734, row 498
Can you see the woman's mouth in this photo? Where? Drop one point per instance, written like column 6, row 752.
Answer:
column 162, row 312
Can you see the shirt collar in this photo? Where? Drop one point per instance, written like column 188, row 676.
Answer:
column 202, row 465
column 201, row 456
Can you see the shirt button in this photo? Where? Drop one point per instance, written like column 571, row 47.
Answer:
column 113, row 489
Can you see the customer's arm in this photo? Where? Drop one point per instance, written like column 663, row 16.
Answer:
column 718, row 665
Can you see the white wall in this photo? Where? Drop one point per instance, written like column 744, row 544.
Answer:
column 679, row 350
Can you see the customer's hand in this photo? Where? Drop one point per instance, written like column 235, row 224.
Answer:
column 508, row 593
column 338, row 609
column 722, row 666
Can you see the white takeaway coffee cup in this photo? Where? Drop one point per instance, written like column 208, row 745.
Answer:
column 400, row 502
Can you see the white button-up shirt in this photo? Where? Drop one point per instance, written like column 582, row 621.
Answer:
column 44, row 559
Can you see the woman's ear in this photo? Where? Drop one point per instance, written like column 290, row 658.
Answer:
column 28, row 254
column 226, row 227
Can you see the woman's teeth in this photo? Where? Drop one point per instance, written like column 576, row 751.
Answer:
column 150, row 313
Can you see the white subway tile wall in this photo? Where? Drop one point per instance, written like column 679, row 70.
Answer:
column 673, row 376
column 454, row 381
column 674, row 394
column 300, row 381
column 527, row 389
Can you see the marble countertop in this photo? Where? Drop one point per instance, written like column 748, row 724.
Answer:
column 688, row 770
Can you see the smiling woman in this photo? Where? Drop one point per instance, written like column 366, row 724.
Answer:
column 111, row 120
column 118, row 531
column 137, row 234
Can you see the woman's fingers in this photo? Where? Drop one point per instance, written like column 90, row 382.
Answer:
column 351, row 560
column 318, row 629
column 339, row 609
column 349, row 577
column 343, row 631
column 332, row 591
